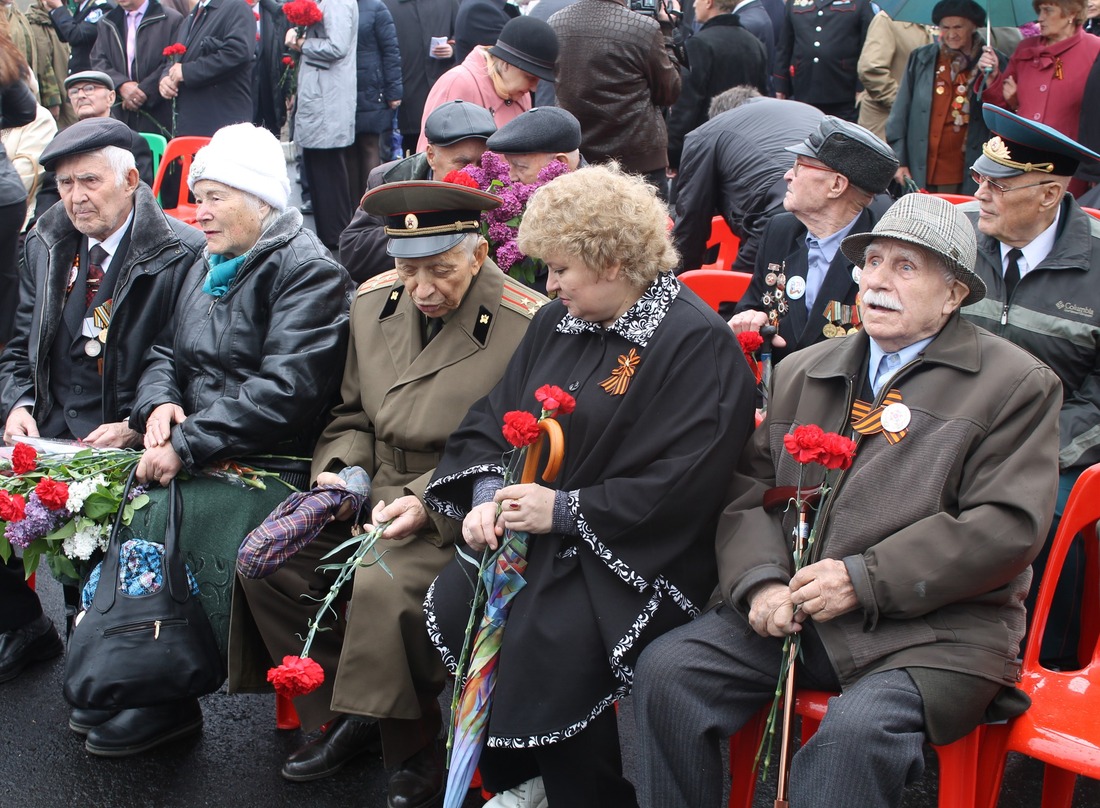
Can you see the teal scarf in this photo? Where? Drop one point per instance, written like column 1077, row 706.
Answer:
column 222, row 272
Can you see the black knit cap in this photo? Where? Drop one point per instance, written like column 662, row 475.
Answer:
column 851, row 150
column 529, row 44
column 967, row 9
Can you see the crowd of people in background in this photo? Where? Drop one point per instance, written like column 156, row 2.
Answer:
column 497, row 197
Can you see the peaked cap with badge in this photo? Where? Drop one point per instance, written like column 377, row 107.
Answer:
column 1020, row 146
column 427, row 218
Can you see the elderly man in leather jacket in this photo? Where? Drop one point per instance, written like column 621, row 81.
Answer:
column 615, row 73
column 60, row 376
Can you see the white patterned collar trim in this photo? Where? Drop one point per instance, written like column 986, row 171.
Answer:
column 637, row 323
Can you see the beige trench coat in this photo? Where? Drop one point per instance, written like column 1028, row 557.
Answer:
column 882, row 64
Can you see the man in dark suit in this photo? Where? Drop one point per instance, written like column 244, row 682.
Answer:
column 212, row 81
column 78, row 29
column 803, row 283
column 479, row 22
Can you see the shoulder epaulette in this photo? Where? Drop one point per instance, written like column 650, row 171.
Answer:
column 520, row 298
column 383, row 281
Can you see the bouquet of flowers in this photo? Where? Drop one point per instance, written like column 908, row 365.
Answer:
column 61, row 505
column 806, row 444
column 500, row 226
column 302, row 14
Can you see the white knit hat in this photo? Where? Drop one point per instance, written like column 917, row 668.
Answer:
column 247, row 158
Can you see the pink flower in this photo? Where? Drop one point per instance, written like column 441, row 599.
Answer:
column 297, row 676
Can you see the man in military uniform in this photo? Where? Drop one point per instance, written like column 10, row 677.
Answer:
column 428, row 339
column 819, row 46
column 802, row 282
column 1038, row 253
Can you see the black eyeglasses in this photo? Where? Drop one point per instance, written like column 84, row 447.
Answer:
column 1004, row 189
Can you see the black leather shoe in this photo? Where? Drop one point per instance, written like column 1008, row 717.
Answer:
column 347, row 738
column 419, row 781
column 35, row 642
column 141, row 729
column 82, row 721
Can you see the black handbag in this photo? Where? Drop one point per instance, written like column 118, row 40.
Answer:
column 129, row 651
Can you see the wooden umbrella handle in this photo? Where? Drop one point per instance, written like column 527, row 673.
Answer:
column 556, row 439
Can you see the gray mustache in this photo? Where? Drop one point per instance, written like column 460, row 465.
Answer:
column 882, row 300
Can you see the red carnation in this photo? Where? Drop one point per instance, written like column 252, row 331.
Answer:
column 555, row 400
column 750, row 341
column 24, row 458
column 177, row 49
column 458, row 177
column 12, row 507
column 297, row 676
column 302, row 13
column 805, row 443
column 837, row 450
column 521, row 428
column 288, row 61
column 52, row 494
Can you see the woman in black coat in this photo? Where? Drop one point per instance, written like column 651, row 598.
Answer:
column 378, row 92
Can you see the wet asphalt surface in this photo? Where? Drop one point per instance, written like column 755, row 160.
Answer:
column 235, row 762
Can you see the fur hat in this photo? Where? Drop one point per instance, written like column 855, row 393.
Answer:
column 247, row 158
column 851, row 150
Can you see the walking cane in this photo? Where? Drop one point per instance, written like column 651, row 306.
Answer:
column 767, row 332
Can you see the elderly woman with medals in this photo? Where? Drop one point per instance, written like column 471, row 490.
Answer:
column 935, row 126
column 621, row 546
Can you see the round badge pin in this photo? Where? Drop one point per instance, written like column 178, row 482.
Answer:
column 93, row 348
column 895, row 418
column 796, row 287
column 856, row 272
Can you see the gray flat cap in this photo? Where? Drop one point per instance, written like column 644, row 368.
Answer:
column 542, row 130
column 88, row 135
column 933, row 224
column 855, row 152
column 94, row 76
column 458, row 120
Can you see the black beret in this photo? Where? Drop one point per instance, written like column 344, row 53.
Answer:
column 851, row 150
column 542, row 130
column 88, row 135
column 967, row 9
column 458, row 120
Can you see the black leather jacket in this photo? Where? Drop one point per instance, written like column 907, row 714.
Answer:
column 161, row 252
column 257, row 369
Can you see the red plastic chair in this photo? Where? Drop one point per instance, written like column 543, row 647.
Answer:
column 1060, row 728
column 716, row 286
column 1093, row 212
column 182, row 149
column 728, row 244
column 955, row 199
column 958, row 778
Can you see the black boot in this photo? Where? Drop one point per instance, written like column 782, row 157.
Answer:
column 347, row 738
column 419, row 781
column 82, row 721
column 141, row 729
column 37, row 641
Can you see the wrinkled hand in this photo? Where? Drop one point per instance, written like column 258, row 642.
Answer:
column 347, row 507
column 528, row 507
column 902, row 175
column 482, row 527
column 168, row 88
column 160, row 464
column 988, row 61
column 407, row 513
column 293, row 41
column 175, row 73
column 115, row 435
column 21, row 424
column 158, row 427
column 771, row 612
column 132, row 96
column 823, row 590
column 752, row 320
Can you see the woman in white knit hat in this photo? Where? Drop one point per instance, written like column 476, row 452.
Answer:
column 257, row 345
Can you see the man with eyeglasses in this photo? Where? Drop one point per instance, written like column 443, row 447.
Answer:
column 802, row 283
column 1038, row 254
column 92, row 94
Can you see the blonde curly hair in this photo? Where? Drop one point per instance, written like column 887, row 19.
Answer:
column 602, row 216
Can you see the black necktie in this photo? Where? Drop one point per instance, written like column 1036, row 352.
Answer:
column 96, row 256
column 1012, row 274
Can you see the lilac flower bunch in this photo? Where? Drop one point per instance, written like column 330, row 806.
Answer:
column 36, row 524
column 500, row 226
